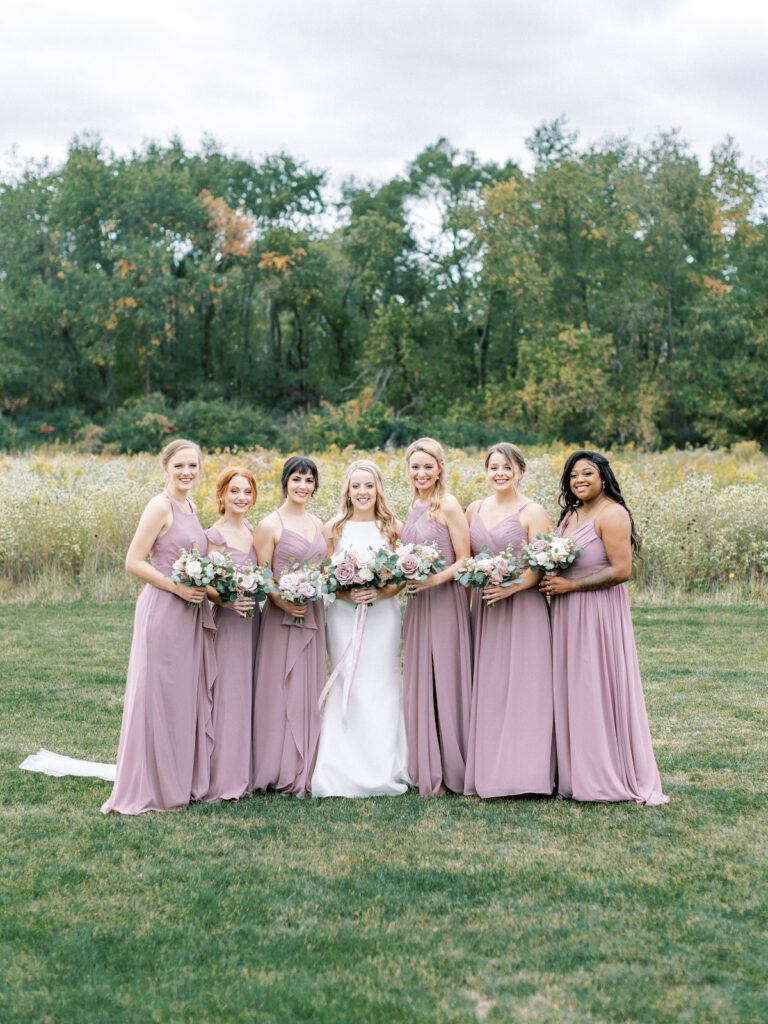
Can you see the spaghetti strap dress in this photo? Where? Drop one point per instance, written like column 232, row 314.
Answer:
column 437, row 670
column 233, row 692
column 511, row 747
column 604, row 749
column 290, row 673
column 166, row 739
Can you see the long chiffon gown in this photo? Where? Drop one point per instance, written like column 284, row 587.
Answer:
column 604, row 749
column 363, row 752
column 511, row 747
column 233, row 692
column 437, row 670
column 166, row 739
column 290, row 672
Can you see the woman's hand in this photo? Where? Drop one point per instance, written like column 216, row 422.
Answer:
column 242, row 605
column 494, row 593
column 192, row 595
column 414, row 587
column 552, row 586
column 365, row 595
column 289, row 607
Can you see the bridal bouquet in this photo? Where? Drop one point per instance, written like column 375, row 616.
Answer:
column 486, row 569
column 366, row 567
column 551, row 553
column 193, row 569
column 245, row 581
column 415, row 562
column 304, row 583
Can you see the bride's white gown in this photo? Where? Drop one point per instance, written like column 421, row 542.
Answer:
column 364, row 752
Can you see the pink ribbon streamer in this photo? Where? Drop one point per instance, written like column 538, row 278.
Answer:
column 352, row 652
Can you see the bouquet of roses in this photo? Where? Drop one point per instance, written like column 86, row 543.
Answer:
column 246, row 581
column 193, row 569
column 366, row 567
column 415, row 562
column 486, row 569
column 551, row 553
column 304, row 583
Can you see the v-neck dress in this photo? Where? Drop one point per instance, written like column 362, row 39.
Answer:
column 290, row 674
column 437, row 670
column 604, row 749
column 511, row 747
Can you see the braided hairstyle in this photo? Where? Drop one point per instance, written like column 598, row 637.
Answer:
column 568, row 501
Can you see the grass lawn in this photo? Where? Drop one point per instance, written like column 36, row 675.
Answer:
column 386, row 910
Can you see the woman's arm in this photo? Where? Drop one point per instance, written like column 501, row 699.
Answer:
column 265, row 539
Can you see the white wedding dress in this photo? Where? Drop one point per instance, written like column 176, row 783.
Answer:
column 363, row 751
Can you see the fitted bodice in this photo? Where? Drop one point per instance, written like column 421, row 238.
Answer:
column 355, row 536
column 418, row 529
column 184, row 531
column 292, row 547
column 239, row 558
column 593, row 557
column 498, row 538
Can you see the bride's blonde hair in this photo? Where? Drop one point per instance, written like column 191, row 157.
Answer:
column 382, row 513
column 434, row 449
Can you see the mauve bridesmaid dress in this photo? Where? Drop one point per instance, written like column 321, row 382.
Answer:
column 166, row 739
column 233, row 692
column 604, row 749
column 437, row 670
column 511, row 747
column 290, row 674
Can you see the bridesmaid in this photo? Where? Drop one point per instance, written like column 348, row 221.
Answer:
column 437, row 669
column 290, row 667
column 167, row 736
column 511, row 727
column 236, row 635
column 604, row 749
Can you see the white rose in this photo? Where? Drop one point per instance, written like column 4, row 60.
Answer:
column 194, row 568
column 485, row 565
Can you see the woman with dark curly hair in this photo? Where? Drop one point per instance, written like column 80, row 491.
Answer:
column 604, row 749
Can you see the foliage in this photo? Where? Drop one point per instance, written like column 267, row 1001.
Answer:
column 67, row 518
column 390, row 909
column 617, row 290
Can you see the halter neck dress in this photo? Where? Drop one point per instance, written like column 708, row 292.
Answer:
column 511, row 747
column 233, row 693
column 604, row 749
column 166, row 739
column 290, row 673
column 437, row 670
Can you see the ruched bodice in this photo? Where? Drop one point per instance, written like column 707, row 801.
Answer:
column 593, row 557
column 239, row 558
column 184, row 531
column 498, row 537
column 292, row 547
column 419, row 529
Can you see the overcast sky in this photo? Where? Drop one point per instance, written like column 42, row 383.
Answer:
column 359, row 88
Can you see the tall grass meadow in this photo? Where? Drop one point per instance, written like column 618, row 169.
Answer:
column 66, row 518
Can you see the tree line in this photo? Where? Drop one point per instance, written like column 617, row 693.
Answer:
column 615, row 292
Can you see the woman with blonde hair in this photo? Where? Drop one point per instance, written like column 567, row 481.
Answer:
column 236, row 639
column 511, row 728
column 166, row 738
column 362, row 749
column 437, row 668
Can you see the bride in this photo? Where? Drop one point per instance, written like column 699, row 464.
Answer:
column 362, row 749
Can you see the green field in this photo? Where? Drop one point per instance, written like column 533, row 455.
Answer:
column 387, row 910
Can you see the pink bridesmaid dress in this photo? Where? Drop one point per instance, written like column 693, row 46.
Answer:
column 511, row 747
column 604, row 749
column 290, row 674
column 437, row 670
column 233, row 692
column 166, row 739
